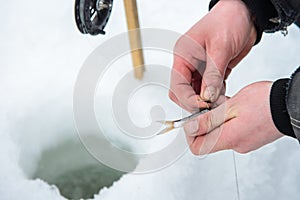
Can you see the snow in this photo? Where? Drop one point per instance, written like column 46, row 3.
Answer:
column 41, row 55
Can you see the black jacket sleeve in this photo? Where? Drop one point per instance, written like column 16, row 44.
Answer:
column 271, row 15
column 285, row 105
column 293, row 102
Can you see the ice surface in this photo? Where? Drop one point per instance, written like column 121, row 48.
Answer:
column 41, row 55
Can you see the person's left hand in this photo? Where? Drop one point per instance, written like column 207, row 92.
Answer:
column 243, row 123
column 206, row 54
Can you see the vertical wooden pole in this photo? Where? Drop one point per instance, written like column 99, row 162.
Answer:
column 134, row 37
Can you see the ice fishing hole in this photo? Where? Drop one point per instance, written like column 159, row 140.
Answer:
column 76, row 173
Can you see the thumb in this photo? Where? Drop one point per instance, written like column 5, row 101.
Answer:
column 213, row 78
column 209, row 121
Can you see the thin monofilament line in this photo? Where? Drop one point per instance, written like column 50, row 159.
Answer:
column 236, row 177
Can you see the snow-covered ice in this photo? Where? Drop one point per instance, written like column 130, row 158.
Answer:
column 41, row 54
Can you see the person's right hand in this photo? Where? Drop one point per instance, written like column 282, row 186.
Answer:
column 206, row 54
column 243, row 123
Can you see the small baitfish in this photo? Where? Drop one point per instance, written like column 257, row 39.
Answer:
column 170, row 125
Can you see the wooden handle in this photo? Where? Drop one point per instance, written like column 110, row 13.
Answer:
column 134, row 37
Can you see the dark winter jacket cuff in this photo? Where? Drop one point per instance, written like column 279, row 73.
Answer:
column 293, row 102
column 268, row 15
column 262, row 11
column 287, row 13
column 279, row 111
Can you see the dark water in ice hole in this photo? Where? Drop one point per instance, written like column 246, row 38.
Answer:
column 74, row 171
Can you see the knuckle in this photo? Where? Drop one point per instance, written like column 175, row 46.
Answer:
column 208, row 125
column 214, row 74
column 217, row 75
column 205, row 124
column 179, row 43
column 241, row 149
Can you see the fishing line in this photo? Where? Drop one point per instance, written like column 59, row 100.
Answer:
column 236, row 176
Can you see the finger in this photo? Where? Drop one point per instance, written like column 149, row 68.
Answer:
column 209, row 121
column 182, row 86
column 189, row 57
column 222, row 98
column 213, row 77
column 215, row 141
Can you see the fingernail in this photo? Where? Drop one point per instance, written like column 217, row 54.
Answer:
column 191, row 127
column 210, row 93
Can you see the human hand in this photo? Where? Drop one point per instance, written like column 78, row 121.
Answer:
column 212, row 47
column 242, row 123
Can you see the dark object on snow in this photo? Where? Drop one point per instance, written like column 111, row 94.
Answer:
column 92, row 15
